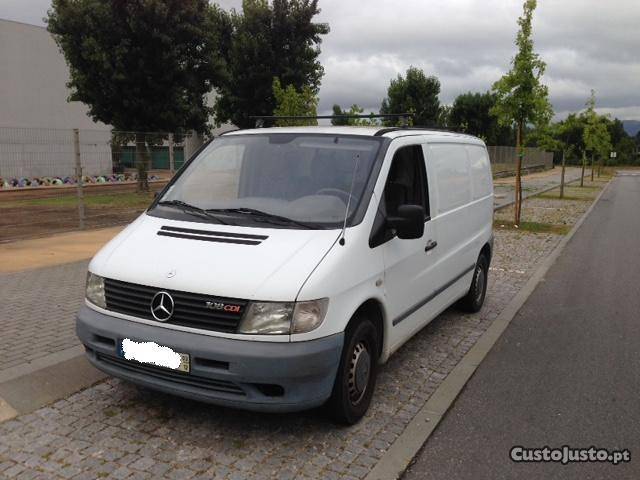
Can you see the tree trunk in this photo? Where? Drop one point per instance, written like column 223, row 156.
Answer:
column 518, row 193
column 592, row 166
column 142, row 160
column 584, row 162
column 600, row 164
column 562, row 176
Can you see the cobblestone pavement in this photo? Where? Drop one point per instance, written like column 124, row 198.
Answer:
column 504, row 189
column 116, row 430
column 37, row 309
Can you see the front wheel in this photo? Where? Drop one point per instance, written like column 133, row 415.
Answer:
column 356, row 377
column 474, row 299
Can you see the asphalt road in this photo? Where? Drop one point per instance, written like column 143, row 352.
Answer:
column 567, row 369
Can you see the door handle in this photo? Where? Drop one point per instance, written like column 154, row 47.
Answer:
column 431, row 244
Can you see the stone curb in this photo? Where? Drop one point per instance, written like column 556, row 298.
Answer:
column 27, row 387
column 400, row 454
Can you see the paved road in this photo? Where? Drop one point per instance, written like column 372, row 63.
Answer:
column 533, row 184
column 566, row 371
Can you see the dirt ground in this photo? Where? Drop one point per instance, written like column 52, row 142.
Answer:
column 53, row 249
column 33, row 213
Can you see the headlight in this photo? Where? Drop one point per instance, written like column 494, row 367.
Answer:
column 275, row 318
column 267, row 318
column 308, row 316
column 95, row 290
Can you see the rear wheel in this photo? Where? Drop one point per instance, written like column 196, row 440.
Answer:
column 474, row 299
column 356, row 377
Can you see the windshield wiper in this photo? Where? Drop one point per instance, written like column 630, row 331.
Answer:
column 264, row 216
column 192, row 209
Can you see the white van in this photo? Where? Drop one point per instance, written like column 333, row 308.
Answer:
column 281, row 266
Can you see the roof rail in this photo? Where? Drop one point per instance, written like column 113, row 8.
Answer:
column 260, row 119
column 384, row 131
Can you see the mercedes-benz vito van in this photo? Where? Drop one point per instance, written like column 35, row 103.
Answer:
column 281, row 266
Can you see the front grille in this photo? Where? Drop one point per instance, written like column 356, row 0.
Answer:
column 172, row 376
column 190, row 309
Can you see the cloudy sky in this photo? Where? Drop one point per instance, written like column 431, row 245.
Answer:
column 467, row 44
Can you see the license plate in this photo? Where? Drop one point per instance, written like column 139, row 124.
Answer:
column 151, row 353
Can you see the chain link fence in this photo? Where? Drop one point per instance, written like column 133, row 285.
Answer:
column 61, row 180
column 503, row 160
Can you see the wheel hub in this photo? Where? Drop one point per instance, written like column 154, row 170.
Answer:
column 359, row 371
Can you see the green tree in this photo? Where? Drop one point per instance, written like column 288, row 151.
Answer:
column 555, row 138
column 616, row 131
column 471, row 113
column 521, row 98
column 291, row 103
column 626, row 151
column 415, row 93
column 141, row 65
column 267, row 41
column 444, row 117
column 621, row 142
column 354, row 110
column 573, row 133
column 597, row 141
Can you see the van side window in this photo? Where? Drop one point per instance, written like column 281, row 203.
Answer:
column 407, row 181
column 406, row 185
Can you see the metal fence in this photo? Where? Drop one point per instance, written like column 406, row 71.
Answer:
column 503, row 159
column 61, row 180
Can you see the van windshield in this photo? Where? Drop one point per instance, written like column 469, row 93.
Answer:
column 284, row 180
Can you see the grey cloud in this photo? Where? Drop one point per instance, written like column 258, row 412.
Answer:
column 467, row 44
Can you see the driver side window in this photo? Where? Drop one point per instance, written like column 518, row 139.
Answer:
column 407, row 181
column 406, row 185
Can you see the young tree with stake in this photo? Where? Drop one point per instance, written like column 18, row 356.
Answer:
column 521, row 98
column 597, row 139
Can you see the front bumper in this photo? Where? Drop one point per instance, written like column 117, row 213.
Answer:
column 261, row 376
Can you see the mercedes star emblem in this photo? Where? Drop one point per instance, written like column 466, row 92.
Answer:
column 162, row 306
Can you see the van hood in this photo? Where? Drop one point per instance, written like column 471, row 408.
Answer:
column 267, row 264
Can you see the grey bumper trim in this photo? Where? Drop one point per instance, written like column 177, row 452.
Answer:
column 305, row 370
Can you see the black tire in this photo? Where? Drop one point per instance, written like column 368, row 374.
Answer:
column 356, row 377
column 474, row 299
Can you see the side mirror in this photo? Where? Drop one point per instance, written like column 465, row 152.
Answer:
column 409, row 222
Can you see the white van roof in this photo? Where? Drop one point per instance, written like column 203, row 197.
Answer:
column 390, row 132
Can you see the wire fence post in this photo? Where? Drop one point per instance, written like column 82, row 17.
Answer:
column 172, row 161
column 79, row 189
